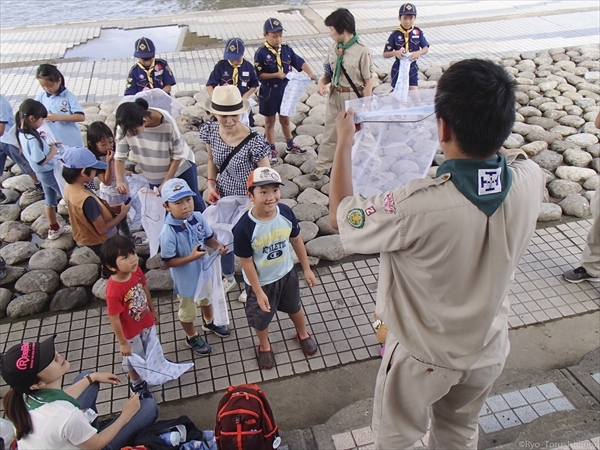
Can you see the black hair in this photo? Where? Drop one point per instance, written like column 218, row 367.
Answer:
column 50, row 72
column 95, row 133
column 71, row 175
column 28, row 108
column 130, row 115
column 114, row 248
column 476, row 99
column 251, row 188
column 342, row 20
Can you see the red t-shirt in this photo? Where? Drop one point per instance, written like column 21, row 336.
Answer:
column 128, row 301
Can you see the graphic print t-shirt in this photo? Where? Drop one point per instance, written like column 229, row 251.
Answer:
column 268, row 243
column 128, row 301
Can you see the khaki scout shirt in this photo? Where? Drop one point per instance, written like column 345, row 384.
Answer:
column 357, row 63
column 446, row 268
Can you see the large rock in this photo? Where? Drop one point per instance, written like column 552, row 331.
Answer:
column 18, row 252
column 49, row 259
column 311, row 195
column 549, row 212
column 13, row 231
column 64, row 242
column 514, row 141
column 310, row 130
column 561, row 146
column 13, row 273
column 304, row 182
column 563, row 188
column 83, row 255
column 583, row 139
column 297, row 159
column 547, row 159
column 571, row 121
column 40, row 226
column 69, row 298
column 577, row 158
column 534, row 148
column 33, row 211
column 5, row 299
column 9, row 213
column 289, row 189
column 592, row 183
column 326, row 247
column 543, row 122
column 99, row 288
column 159, row 280
column 18, row 183
column 27, row 305
column 308, row 231
column 575, row 205
column 83, row 275
column 529, row 111
column 309, row 212
column 287, row 171
column 37, row 281
column 546, row 136
column 573, row 173
column 325, row 228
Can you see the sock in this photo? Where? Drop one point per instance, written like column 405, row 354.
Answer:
column 207, row 321
column 273, row 147
column 229, row 277
column 55, row 227
column 290, row 143
column 189, row 338
column 38, row 185
column 136, row 383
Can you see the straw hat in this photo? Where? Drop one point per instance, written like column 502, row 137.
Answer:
column 227, row 101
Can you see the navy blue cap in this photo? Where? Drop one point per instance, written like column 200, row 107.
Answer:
column 408, row 9
column 272, row 25
column 144, row 48
column 234, row 49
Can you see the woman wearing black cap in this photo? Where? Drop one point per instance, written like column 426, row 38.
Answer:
column 47, row 416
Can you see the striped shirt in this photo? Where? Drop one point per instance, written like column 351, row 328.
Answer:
column 155, row 148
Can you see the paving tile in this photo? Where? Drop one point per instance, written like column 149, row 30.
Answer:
column 489, row 424
column 343, row 441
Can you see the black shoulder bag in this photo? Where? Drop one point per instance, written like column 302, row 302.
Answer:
column 235, row 151
column 352, row 85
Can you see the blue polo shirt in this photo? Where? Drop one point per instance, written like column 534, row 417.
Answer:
column 267, row 243
column 34, row 153
column 139, row 78
column 178, row 242
column 223, row 72
column 266, row 62
column 8, row 119
column 64, row 103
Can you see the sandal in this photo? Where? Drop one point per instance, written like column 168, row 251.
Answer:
column 308, row 345
column 266, row 360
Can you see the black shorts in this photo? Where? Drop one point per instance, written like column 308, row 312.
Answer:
column 283, row 295
column 269, row 98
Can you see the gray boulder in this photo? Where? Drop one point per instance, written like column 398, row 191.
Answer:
column 543, row 122
column 592, row 183
column 514, row 141
column 575, row 205
column 546, row 136
column 577, row 158
column 299, row 159
column 83, row 255
column 573, row 173
column 308, row 231
column 49, row 259
column 5, row 299
column 561, row 146
column 69, row 298
column 583, row 139
column 154, row 262
column 83, row 275
column 40, row 226
column 18, row 252
column 326, row 247
column 304, row 182
column 18, row 183
column 9, row 213
column 27, row 305
column 571, row 121
column 325, row 228
column 37, row 281
column 159, row 280
column 311, row 195
column 548, row 159
column 595, row 165
column 13, row 273
column 549, row 176
column 593, row 150
column 64, row 242
column 309, row 212
column 99, row 288
column 549, row 212
column 13, row 231
column 563, row 188
column 288, row 171
column 534, row 148
column 289, row 189
column 309, row 130
column 11, row 196
column 33, row 211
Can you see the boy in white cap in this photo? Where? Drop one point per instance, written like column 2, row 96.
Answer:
column 149, row 72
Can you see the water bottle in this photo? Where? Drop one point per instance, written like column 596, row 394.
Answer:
column 171, row 438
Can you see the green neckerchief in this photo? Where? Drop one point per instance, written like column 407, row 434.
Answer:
column 340, row 57
column 41, row 397
column 485, row 183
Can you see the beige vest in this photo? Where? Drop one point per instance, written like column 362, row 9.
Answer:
column 84, row 231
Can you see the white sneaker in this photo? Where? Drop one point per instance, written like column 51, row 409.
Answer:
column 229, row 284
column 243, row 297
column 54, row 234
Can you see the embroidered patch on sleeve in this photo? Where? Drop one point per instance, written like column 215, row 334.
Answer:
column 489, row 181
column 356, row 218
column 370, row 210
column 389, row 204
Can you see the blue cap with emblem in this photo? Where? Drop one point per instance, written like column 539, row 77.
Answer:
column 175, row 189
column 234, row 49
column 408, row 9
column 272, row 25
column 144, row 48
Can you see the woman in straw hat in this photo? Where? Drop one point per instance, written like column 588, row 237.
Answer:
column 234, row 151
column 46, row 416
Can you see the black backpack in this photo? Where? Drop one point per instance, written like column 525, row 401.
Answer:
column 245, row 420
column 150, row 437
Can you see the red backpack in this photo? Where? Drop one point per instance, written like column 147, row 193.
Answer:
column 245, row 420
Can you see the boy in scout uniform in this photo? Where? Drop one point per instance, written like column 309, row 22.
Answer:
column 347, row 53
column 406, row 39
column 449, row 247
column 149, row 72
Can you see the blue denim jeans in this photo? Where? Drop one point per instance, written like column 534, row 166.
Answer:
column 50, row 187
column 145, row 417
column 15, row 154
column 227, row 264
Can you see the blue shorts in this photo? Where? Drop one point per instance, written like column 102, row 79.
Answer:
column 15, row 154
column 50, row 187
column 269, row 98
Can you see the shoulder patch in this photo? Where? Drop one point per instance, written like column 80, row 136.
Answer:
column 356, row 218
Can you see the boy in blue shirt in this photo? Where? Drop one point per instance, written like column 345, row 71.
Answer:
column 261, row 240
column 406, row 39
column 182, row 242
column 149, row 72
column 273, row 61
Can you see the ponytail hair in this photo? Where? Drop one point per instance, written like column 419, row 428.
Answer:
column 130, row 115
column 16, row 411
column 28, row 108
column 50, row 72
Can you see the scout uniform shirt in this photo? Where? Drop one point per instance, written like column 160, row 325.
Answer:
column 157, row 76
column 411, row 41
column 446, row 266
column 270, row 60
column 244, row 77
column 64, row 103
column 357, row 62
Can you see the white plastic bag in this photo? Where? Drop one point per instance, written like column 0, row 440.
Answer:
column 402, row 82
column 297, row 84
column 153, row 216
column 210, row 286
column 156, row 98
column 245, row 118
column 223, row 215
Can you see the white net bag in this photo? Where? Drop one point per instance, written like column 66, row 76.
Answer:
column 396, row 142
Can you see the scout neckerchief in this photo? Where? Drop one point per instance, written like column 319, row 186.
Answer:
column 277, row 53
column 485, row 183
column 234, row 76
column 44, row 396
column 406, row 34
column 149, row 73
column 341, row 48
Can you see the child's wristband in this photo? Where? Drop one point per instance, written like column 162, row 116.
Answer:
column 211, row 179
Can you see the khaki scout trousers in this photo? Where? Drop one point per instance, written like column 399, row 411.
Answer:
column 335, row 105
column 590, row 258
column 409, row 393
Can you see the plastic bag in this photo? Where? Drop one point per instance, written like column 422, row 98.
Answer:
column 396, row 142
column 245, row 118
column 153, row 216
column 401, row 88
column 223, row 215
column 156, row 98
column 296, row 86
column 210, row 286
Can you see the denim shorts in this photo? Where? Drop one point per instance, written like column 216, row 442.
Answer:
column 50, row 187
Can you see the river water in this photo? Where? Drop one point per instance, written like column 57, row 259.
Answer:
column 18, row 13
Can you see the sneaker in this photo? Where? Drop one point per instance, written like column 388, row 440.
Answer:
column 274, row 158
column 198, row 345
column 243, row 297
column 219, row 330
column 294, row 149
column 54, row 234
column 33, row 194
column 308, row 345
column 578, row 275
column 141, row 389
column 229, row 283
column 137, row 240
column 316, row 175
